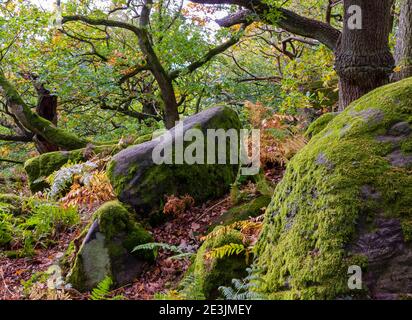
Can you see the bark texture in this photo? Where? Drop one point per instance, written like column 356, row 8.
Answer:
column 47, row 109
column 35, row 123
column 363, row 58
column 403, row 51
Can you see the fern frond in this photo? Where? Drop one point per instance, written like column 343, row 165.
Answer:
column 102, row 290
column 243, row 289
column 159, row 245
column 182, row 256
column 226, row 250
column 227, row 292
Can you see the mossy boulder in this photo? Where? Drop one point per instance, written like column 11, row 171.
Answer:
column 143, row 184
column 149, row 136
column 252, row 208
column 107, row 249
column 345, row 199
column 209, row 273
column 320, row 123
column 39, row 168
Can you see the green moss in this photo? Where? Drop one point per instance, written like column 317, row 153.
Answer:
column 13, row 203
column 136, row 237
column 113, row 219
column 201, row 181
column 148, row 137
column 68, row 255
column 37, row 124
column 210, row 274
column 142, row 139
column 12, row 199
column 39, row 168
column 312, row 219
column 181, row 180
column 243, row 211
column 407, row 230
column 319, row 124
column 406, row 147
column 117, row 235
column 119, row 181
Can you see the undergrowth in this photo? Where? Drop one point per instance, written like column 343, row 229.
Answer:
column 40, row 227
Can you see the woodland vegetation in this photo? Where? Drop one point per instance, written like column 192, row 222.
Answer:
column 86, row 86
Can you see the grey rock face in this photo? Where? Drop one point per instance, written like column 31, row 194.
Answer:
column 141, row 183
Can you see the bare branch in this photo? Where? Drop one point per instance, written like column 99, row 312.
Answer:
column 135, row 71
column 288, row 20
column 6, row 137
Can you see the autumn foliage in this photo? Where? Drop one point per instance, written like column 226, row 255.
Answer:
column 93, row 194
column 176, row 206
column 280, row 138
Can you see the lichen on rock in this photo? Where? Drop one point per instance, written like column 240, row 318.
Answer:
column 141, row 183
column 107, row 249
column 345, row 200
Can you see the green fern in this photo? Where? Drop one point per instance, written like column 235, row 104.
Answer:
column 184, row 255
column 102, row 291
column 243, row 289
column 226, row 251
column 191, row 288
column 6, row 228
column 158, row 245
column 154, row 246
column 41, row 225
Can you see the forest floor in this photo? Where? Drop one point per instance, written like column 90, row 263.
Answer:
column 185, row 231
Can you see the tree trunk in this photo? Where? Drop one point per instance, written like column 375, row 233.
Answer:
column 148, row 108
column 47, row 109
column 171, row 114
column 403, row 50
column 363, row 58
column 35, row 123
column 147, row 100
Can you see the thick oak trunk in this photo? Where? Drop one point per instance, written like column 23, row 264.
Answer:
column 363, row 58
column 403, row 51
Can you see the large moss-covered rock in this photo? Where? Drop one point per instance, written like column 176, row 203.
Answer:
column 346, row 199
column 107, row 249
column 138, row 181
column 320, row 123
column 39, row 168
column 208, row 273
